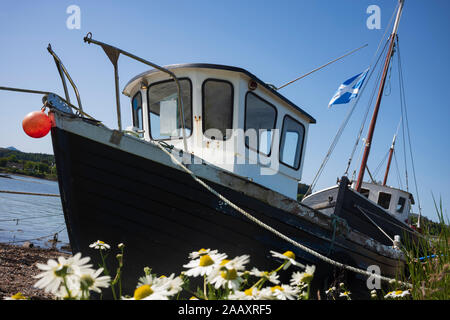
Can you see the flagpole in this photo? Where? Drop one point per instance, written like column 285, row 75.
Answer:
column 378, row 102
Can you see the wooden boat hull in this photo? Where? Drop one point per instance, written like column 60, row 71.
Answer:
column 161, row 215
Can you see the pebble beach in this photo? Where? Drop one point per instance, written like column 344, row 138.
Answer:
column 18, row 268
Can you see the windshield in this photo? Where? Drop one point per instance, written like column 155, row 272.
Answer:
column 164, row 113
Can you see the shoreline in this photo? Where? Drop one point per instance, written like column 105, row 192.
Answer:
column 18, row 268
column 7, row 175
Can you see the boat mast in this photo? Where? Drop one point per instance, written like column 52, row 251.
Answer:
column 391, row 152
column 380, row 95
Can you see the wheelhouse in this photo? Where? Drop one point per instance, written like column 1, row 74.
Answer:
column 231, row 119
column 397, row 202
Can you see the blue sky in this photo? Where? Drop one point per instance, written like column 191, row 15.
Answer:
column 275, row 40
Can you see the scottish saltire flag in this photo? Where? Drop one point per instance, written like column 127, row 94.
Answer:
column 349, row 89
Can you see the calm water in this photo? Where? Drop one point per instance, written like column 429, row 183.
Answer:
column 28, row 217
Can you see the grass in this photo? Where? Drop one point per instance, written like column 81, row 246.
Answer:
column 428, row 262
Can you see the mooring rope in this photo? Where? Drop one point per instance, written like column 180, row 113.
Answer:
column 30, row 193
column 277, row 233
column 28, row 218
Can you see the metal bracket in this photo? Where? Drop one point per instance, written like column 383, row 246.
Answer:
column 56, row 102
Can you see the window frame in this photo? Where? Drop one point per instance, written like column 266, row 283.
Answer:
column 224, row 138
column 142, row 110
column 384, row 194
column 403, row 205
column 148, row 108
column 302, row 144
column 245, row 123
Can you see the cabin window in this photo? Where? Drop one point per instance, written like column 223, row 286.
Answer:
column 164, row 111
column 400, row 205
column 384, row 199
column 291, row 144
column 136, row 105
column 365, row 192
column 217, row 109
column 260, row 119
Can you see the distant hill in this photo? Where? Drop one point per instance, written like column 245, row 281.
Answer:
column 19, row 155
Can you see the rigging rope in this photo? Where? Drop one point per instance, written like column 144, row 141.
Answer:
column 374, row 223
column 369, row 104
column 275, row 232
column 403, row 105
column 343, row 125
column 399, row 178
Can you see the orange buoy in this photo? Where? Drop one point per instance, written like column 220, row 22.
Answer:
column 36, row 124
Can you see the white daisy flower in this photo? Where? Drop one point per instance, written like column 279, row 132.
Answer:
column 91, row 280
column 271, row 276
column 249, row 294
column 79, row 265
column 201, row 252
column 288, row 256
column 282, row 292
column 300, row 278
column 236, row 264
column 228, row 274
column 99, row 245
column 345, row 294
column 151, row 287
column 405, row 293
column 331, row 290
column 204, row 265
column 174, row 284
column 147, row 279
column 397, row 294
column 53, row 275
column 148, row 292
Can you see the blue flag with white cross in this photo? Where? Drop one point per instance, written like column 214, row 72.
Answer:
column 349, row 89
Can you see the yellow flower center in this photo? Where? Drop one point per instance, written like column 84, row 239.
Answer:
column 18, row 296
column 249, row 292
column 202, row 250
column 229, row 274
column 224, row 262
column 142, row 292
column 276, row 288
column 206, row 261
column 289, row 254
column 398, row 292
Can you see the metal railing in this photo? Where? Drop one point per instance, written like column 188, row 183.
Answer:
column 113, row 54
column 62, row 71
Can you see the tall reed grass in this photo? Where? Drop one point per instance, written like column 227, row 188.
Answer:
column 428, row 261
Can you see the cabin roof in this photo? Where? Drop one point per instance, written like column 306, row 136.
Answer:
column 221, row 67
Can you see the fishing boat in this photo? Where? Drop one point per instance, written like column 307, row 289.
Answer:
column 374, row 208
column 212, row 159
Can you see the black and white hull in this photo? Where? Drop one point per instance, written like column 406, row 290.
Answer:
column 129, row 191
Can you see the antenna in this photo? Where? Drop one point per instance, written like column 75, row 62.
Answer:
column 321, row 67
